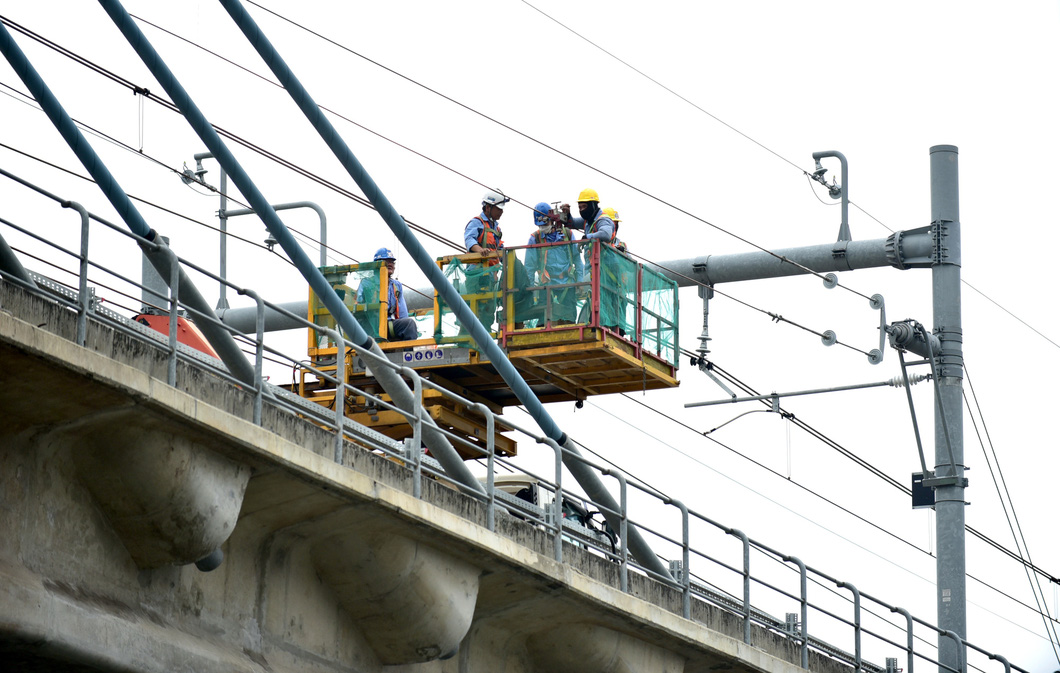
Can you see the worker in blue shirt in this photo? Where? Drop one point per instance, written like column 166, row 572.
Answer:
column 483, row 233
column 559, row 264
column 400, row 327
column 593, row 221
column 598, row 226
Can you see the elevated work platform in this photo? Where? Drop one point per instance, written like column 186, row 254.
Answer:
column 577, row 319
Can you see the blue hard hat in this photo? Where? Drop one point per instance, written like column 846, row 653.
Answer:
column 383, row 253
column 541, row 212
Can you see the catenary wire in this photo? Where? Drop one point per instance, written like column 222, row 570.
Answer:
column 220, row 130
column 555, row 150
column 806, row 427
column 895, row 483
column 1017, row 529
column 776, row 317
column 766, row 148
column 261, row 151
column 770, row 314
column 148, row 157
column 883, row 558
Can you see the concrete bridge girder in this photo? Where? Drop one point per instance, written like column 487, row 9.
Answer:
column 413, row 602
column 590, row 648
column 170, row 499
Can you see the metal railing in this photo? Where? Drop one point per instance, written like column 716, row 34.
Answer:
column 887, row 628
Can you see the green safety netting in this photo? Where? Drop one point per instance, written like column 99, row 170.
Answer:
column 367, row 302
column 553, row 287
column 618, row 291
column 658, row 315
column 358, row 288
column 479, row 285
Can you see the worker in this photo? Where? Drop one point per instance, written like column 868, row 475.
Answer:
column 616, row 241
column 597, row 225
column 593, row 221
column 554, row 266
column 399, row 326
column 483, row 235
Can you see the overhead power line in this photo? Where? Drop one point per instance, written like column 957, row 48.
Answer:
column 551, row 148
column 775, row 316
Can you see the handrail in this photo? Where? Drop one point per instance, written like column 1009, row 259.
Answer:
column 76, row 300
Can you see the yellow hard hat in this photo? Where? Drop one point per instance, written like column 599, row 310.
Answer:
column 612, row 213
column 589, row 195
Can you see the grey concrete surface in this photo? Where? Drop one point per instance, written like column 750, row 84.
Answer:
column 328, row 567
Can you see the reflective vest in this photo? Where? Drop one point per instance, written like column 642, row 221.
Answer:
column 490, row 236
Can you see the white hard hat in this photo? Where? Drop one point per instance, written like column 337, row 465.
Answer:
column 495, row 199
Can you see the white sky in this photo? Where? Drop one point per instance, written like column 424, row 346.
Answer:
column 879, row 82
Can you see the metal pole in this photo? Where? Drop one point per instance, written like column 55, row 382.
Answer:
column 949, row 498
column 902, row 250
column 585, row 476
column 222, row 216
column 391, row 382
column 219, row 338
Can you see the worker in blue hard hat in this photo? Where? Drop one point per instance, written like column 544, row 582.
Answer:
column 553, row 261
column 400, row 327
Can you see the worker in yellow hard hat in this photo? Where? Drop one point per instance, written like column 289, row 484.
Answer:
column 593, row 221
column 615, row 241
column 597, row 225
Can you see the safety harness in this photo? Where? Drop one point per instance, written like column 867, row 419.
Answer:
column 540, row 238
column 490, row 236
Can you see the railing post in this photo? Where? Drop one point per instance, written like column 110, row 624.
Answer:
column 491, row 497
column 417, row 430
column 340, row 392
column 557, row 502
column 746, row 582
column 805, row 646
column 1003, row 660
column 962, row 663
column 623, row 568
column 908, row 637
column 174, row 316
column 857, row 623
column 686, row 581
column 259, row 352
column 84, row 301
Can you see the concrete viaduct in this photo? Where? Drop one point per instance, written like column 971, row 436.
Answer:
column 112, row 485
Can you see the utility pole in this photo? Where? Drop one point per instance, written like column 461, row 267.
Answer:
column 949, row 434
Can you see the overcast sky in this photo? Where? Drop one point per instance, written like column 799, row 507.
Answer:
column 754, row 89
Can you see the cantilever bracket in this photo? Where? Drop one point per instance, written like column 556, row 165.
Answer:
column 707, row 368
